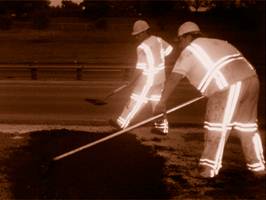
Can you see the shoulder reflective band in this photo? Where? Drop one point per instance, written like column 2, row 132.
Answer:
column 148, row 53
column 208, row 64
column 217, row 66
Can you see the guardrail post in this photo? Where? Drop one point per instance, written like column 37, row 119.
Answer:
column 126, row 74
column 33, row 73
column 79, row 72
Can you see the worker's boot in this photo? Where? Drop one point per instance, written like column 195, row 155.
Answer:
column 160, row 127
column 206, row 172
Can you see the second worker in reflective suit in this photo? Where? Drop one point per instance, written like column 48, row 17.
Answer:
column 223, row 75
column 150, row 75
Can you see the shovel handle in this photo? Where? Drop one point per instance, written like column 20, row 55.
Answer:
column 126, row 129
column 115, row 91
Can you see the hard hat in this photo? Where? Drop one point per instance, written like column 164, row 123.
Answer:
column 187, row 27
column 140, row 26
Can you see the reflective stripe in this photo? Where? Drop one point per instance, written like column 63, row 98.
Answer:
column 148, row 53
column 122, row 122
column 207, row 63
column 223, row 127
column 150, row 59
column 234, row 93
column 141, row 65
column 213, row 68
column 256, row 167
column 258, row 148
column 245, row 127
column 152, row 71
column 155, row 98
column 162, row 125
column 168, row 50
column 140, row 99
column 216, row 126
column 211, row 164
column 211, row 72
column 164, row 52
column 217, row 66
column 161, row 66
column 149, row 70
column 136, row 97
column 207, row 161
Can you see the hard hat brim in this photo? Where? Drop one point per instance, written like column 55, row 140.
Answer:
column 138, row 32
column 176, row 39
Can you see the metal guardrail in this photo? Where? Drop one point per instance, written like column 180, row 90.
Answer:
column 79, row 69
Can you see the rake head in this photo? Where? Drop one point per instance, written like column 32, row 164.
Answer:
column 97, row 102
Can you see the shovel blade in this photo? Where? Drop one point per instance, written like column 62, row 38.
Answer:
column 97, row 102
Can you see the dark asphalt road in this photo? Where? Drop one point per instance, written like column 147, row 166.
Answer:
column 63, row 102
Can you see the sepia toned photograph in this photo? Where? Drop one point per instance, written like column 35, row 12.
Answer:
column 132, row 99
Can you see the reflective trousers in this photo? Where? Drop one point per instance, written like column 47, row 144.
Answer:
column 142, row 93
column 234, row 108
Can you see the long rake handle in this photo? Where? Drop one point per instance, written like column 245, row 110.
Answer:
column 115, row 91
column 125, row 130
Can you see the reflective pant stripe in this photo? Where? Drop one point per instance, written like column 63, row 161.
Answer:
column 139, row 102
column 223, row 127
column 229, row 111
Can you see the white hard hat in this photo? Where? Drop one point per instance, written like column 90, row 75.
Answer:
column 187, row 27
column 140, row 26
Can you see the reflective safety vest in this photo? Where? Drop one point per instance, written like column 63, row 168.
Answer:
column 212, row 65
column 151, row 55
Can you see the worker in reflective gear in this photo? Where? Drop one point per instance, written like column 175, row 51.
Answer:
column 230, row 83
column 149, row 77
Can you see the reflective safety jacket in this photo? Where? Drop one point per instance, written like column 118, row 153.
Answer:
column 212, row 65
column 151, row 55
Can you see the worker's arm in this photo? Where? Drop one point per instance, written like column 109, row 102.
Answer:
column 140, row 66
column 169, row 87
column 134, row 78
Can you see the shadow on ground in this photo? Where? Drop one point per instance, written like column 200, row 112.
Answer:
column 119, row 168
